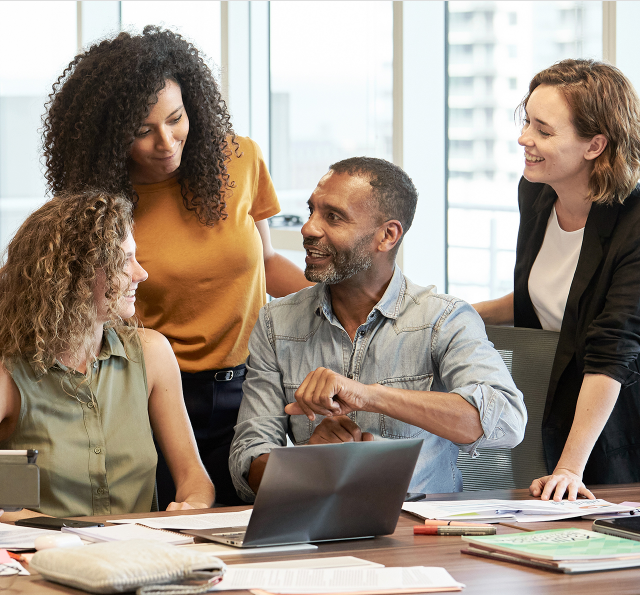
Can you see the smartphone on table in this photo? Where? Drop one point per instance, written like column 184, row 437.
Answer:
column 628, row 527
column 55, row 523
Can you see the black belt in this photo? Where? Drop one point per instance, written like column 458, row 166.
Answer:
column 223, row 375
column 226, row 375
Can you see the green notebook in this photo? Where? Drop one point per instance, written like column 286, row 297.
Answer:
column 560, row 544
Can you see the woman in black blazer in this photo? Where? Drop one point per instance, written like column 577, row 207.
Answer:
column 578, row 270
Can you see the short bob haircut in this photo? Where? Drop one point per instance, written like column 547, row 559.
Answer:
column 47, row 301
column 602, row 101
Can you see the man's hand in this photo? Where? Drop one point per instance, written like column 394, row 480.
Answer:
column 562, row 480
column 327, row 393
column 339, row 429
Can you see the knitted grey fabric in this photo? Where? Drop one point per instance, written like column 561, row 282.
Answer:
column 122, row 566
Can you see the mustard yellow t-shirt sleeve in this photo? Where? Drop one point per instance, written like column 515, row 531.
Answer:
column 264, row 201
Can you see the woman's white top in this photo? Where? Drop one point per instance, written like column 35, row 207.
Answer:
column 552, row 272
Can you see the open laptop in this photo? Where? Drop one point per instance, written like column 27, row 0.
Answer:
column 327, row 492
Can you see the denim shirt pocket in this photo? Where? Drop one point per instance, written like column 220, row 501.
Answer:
column 393, row 428
column 301, row 426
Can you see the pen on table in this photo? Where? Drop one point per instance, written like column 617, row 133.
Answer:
column 457, row 530
column 434, row 523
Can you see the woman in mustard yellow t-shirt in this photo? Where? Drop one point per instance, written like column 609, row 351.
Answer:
column 143, row 115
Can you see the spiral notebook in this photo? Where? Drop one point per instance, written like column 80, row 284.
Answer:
column 127, row 532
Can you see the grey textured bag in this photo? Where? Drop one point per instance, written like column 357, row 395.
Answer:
column 122, row 566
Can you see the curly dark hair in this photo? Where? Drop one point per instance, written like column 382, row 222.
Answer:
column 47, row 302
column 104, row 96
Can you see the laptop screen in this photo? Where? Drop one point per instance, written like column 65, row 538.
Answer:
column 332, row 491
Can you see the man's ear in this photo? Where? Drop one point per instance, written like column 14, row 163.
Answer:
column 596, row 146
column 390, row 234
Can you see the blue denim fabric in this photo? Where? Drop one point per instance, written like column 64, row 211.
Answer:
column 413, row 339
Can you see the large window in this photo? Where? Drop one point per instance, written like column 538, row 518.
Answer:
column 494, row 49
column 314, row 82
column 199, row 22
column 37, row 42
column 331, row 90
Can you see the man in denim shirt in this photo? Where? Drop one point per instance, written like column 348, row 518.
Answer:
column 367, row 354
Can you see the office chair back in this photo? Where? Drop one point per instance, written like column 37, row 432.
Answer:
column 528, row 354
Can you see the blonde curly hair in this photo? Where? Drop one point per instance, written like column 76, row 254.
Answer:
column 47, row 302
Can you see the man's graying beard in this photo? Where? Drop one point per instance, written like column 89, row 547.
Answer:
column 345, row 264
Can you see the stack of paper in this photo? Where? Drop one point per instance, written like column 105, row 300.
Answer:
column 14, row 537
column 208, row 520
column 332, row 562
column 521, row 511
column 633, row 506
column 418, row 579
column 219, row 550
column 562, row 550
column 127, row 532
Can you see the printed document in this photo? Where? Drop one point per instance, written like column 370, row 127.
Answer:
column 14, row 537
column 209, row 520
column 521, row 511
column 420, row 579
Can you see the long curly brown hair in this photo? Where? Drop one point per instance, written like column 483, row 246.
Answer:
column 47, row 302
column 106, row 93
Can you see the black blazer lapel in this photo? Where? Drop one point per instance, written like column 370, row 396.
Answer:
column 533, row 226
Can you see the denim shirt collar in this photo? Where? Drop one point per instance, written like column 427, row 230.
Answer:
column 389, row 304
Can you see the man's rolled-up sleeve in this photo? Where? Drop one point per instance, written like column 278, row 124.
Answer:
column 262, row 423
column 470, row 367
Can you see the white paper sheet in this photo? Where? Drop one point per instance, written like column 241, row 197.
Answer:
column 603, row 515
column 13, row 537
column 334, row 562
column 220, row 550
column 522, row 511
column 337, row 580
column 126, row 533
column 209, row 520
column 10, row 568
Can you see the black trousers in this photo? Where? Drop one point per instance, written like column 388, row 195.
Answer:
column 212, row 406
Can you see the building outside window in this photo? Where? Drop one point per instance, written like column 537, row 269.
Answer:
column 330, row 72
column 331, row 90
column 494, row 49
column 199, row 22
column 37, row 43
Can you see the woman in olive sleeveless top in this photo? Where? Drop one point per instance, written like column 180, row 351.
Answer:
column 79, row 383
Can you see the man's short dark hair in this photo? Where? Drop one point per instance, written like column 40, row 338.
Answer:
column 393, row 190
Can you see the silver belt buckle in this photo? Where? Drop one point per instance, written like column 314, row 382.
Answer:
column 224, row 376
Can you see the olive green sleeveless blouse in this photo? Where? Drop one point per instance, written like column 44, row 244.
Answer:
column 96, row 451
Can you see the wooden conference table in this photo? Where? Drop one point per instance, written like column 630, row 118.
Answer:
column 481, row 576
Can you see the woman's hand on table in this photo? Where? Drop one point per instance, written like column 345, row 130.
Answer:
column 597, row 398
column 561, row 481
column 187, row 505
